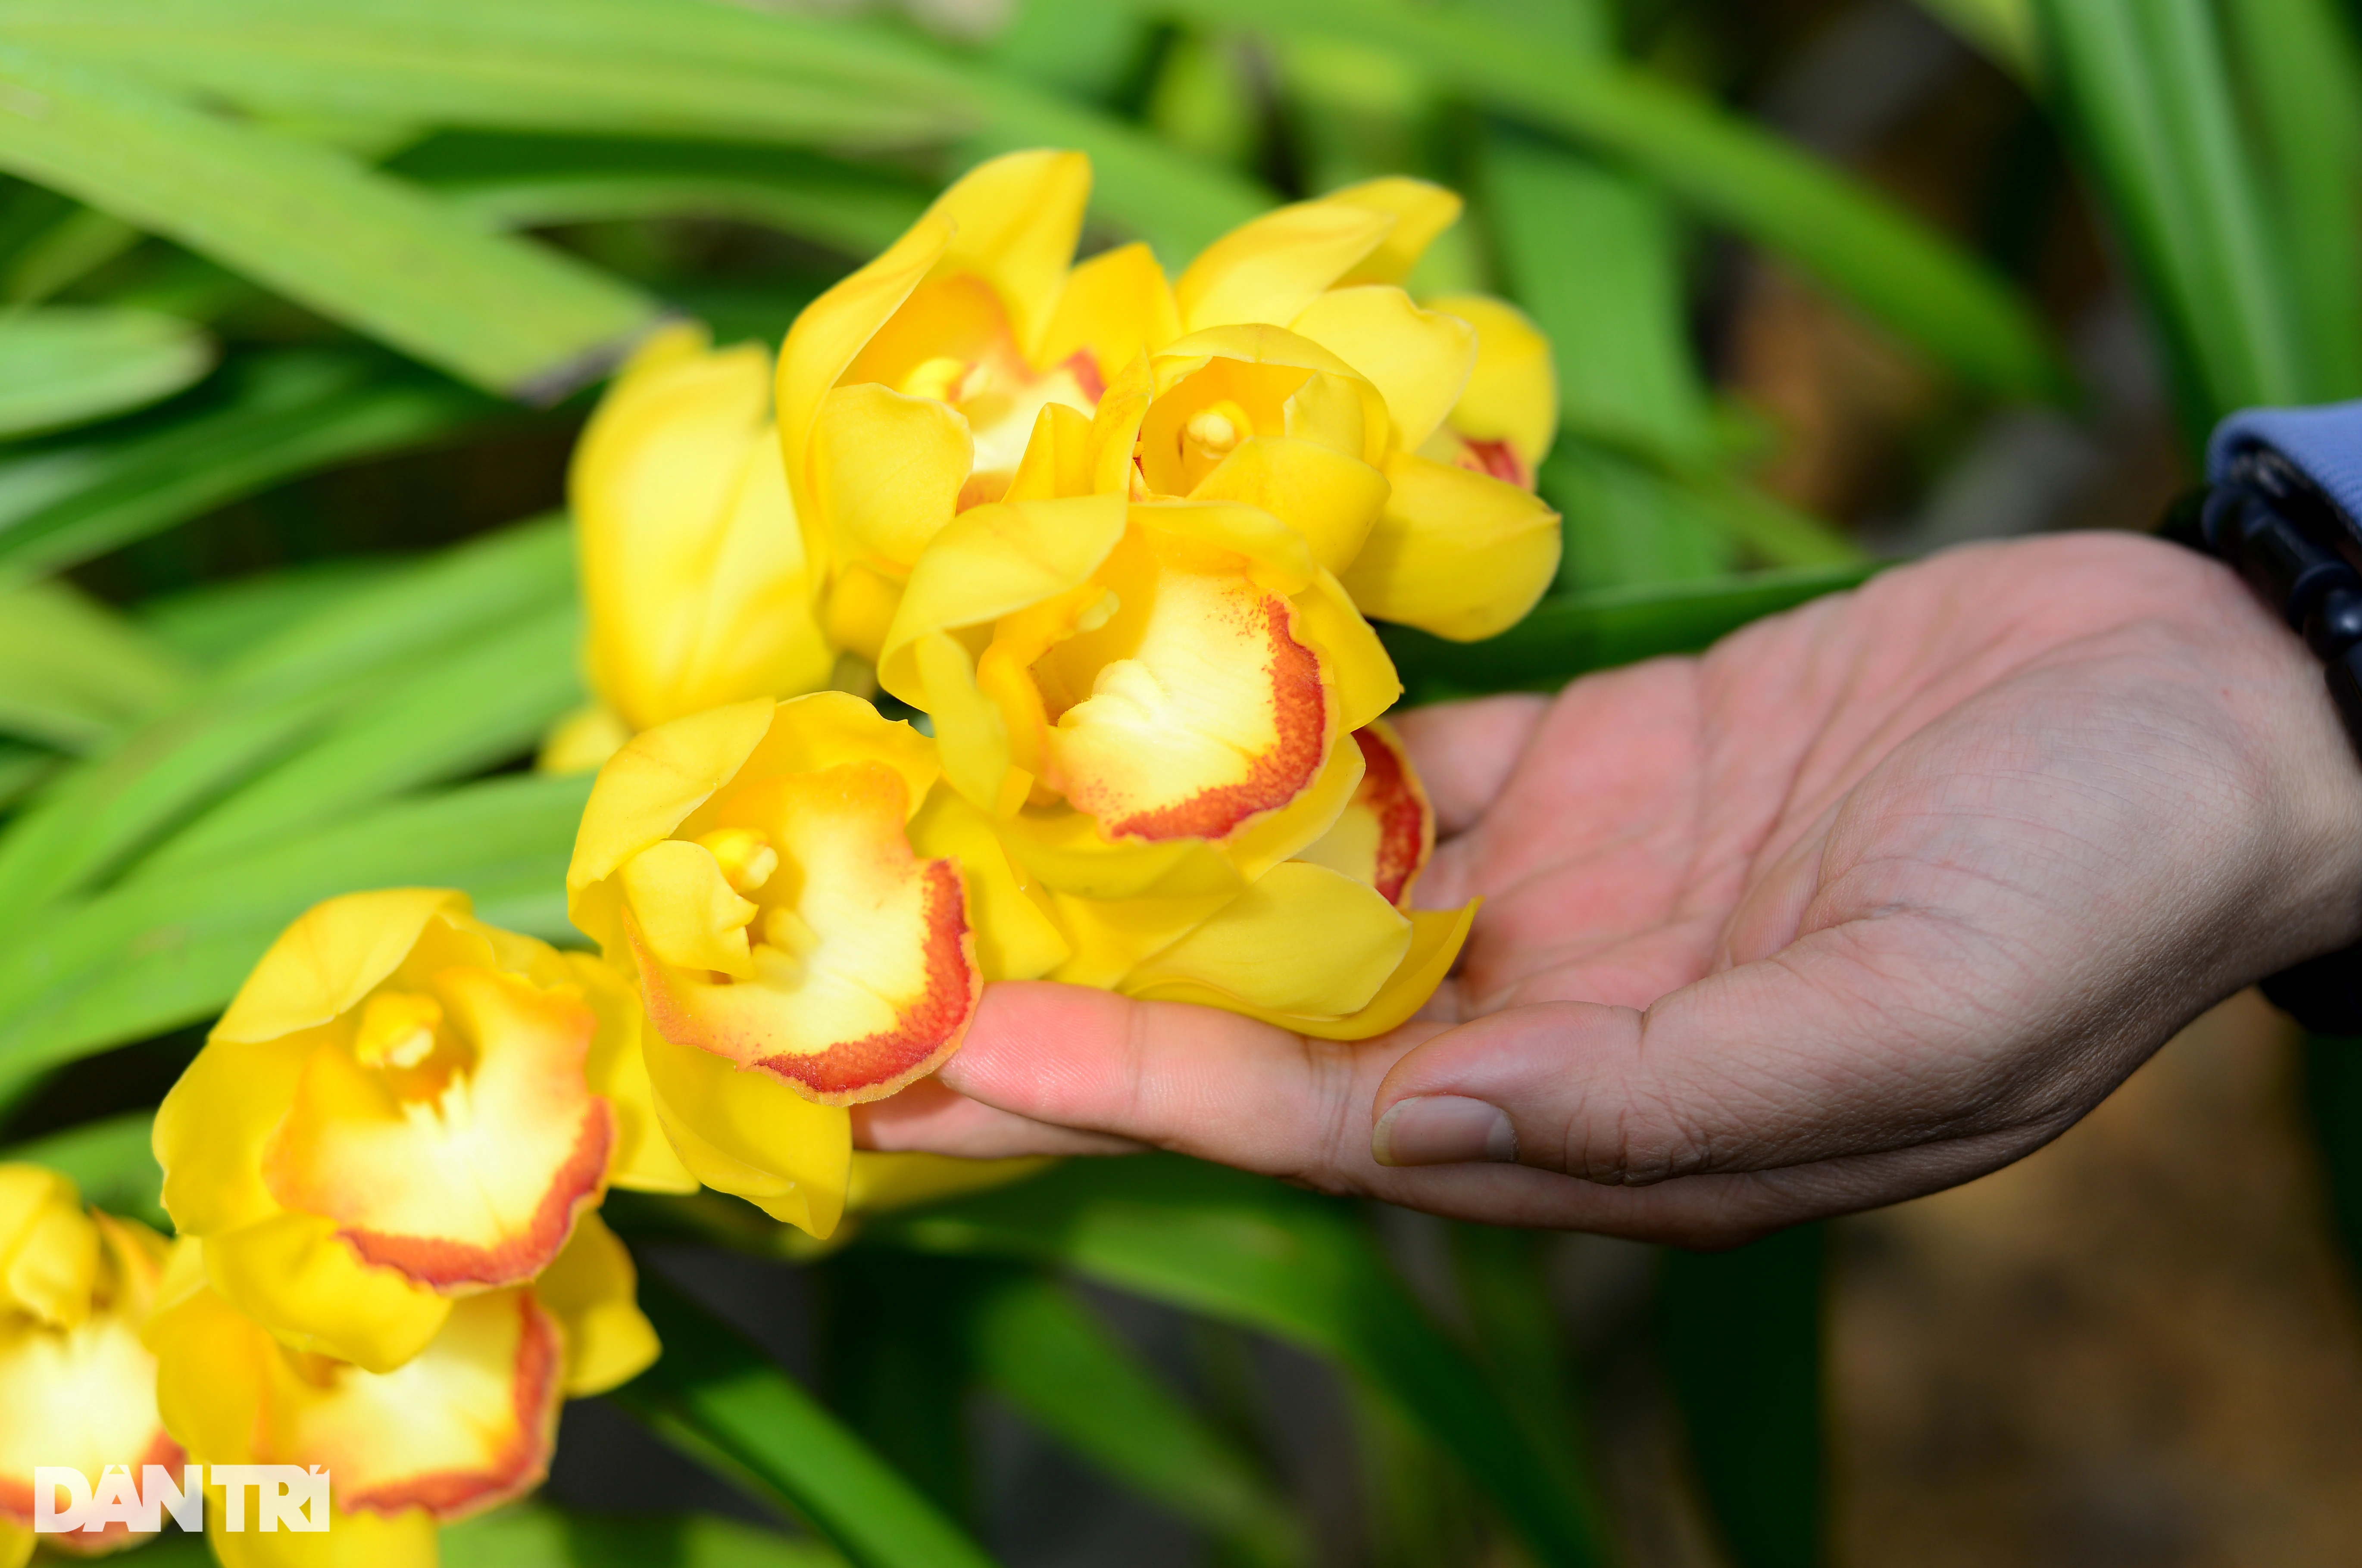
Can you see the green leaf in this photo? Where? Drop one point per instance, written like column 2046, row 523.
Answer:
column 317, row 225
column 215, row 622
column 521, row 181
column 482, row 702
column 1592, row 254
column 2143, row 86
column 164, row 951
column 79, row 243
column 111, row 1160
column 711, row 1393
column 631, row 67
column 264, row 707
column 2304, row 89
column 1055, row 1361
column 1741, row 1336
column 2004, row 29
column 1255, row 1252
column 1571, row 634
column 1858, row 243
column 538, row 1536
column 73, row 673
column 62, row 364
column 280, row 415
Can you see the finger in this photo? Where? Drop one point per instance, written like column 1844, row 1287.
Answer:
column 930, row 1117
column 1466, row 751
column 1225, row 1088
column 1873, row 1035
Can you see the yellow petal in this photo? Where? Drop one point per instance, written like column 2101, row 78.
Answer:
column 1455, row 554
column 582, row 741
column 990, row 562
column 1422, row 212
column 863, row 977
column 642, row 794
column 466, row 1424
column 473, row 1176
column 406, row 1539
column 209, row 1361
column 1016, row 936
column 836, row 327
column 617, row 1072
column 333, row 955
column 590, row 1289
column 1329, row 497
column 886, row 473
column 696, row 589
column 1216, row 388
column 1059, row 459
column 1358, row 666
column 1386, row 834
column 15, row 1543
column 83, row 1395
column 861, row 606
column 1115, row 429
column 1116, row 307
column 49, row 1250
column 748, row 1134
column 883, row 1182
column 1268, row 269
column 293, row 1273
column 1512, row 393
column 970, row 731
column 1436, row 939
column 1301, row 939
column 1112, row 937
column 830, row 730
column 684, row 911
column 1419, row 359
column 1207, row 705
column 210, row 1129
column 1068, row 852
column 1015, row 219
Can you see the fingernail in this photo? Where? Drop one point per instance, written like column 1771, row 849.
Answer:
column 1443, row 1129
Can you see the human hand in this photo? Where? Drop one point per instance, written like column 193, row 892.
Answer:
column 1874, row 897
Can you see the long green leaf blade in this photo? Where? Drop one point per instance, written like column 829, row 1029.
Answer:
column 1857, row 243
column 281, row 415
column 163, row 952
column 714, row 1393
column 73, row 673
column 62, row 364
column 322, row 229
column 1254, row 1251
column 1053, row 1358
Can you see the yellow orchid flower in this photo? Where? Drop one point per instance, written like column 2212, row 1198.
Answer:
column 697, row 586
column 808, row 919
column 465, row 1424
column 1144, row 699
column 909, row 390
column 1309, row 945
column 393, row 1114
column 77, row 1387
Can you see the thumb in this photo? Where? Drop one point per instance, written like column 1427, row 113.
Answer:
column 1856, row 1039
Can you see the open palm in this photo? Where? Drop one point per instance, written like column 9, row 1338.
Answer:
column 1873, row 897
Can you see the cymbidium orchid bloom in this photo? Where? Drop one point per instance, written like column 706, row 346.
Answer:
column 697, row 590
column 1155, row 705
column 464, row 1424
column 1286, row 369
column 393, row 1115
column 77, row 1387
column 809, row 920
